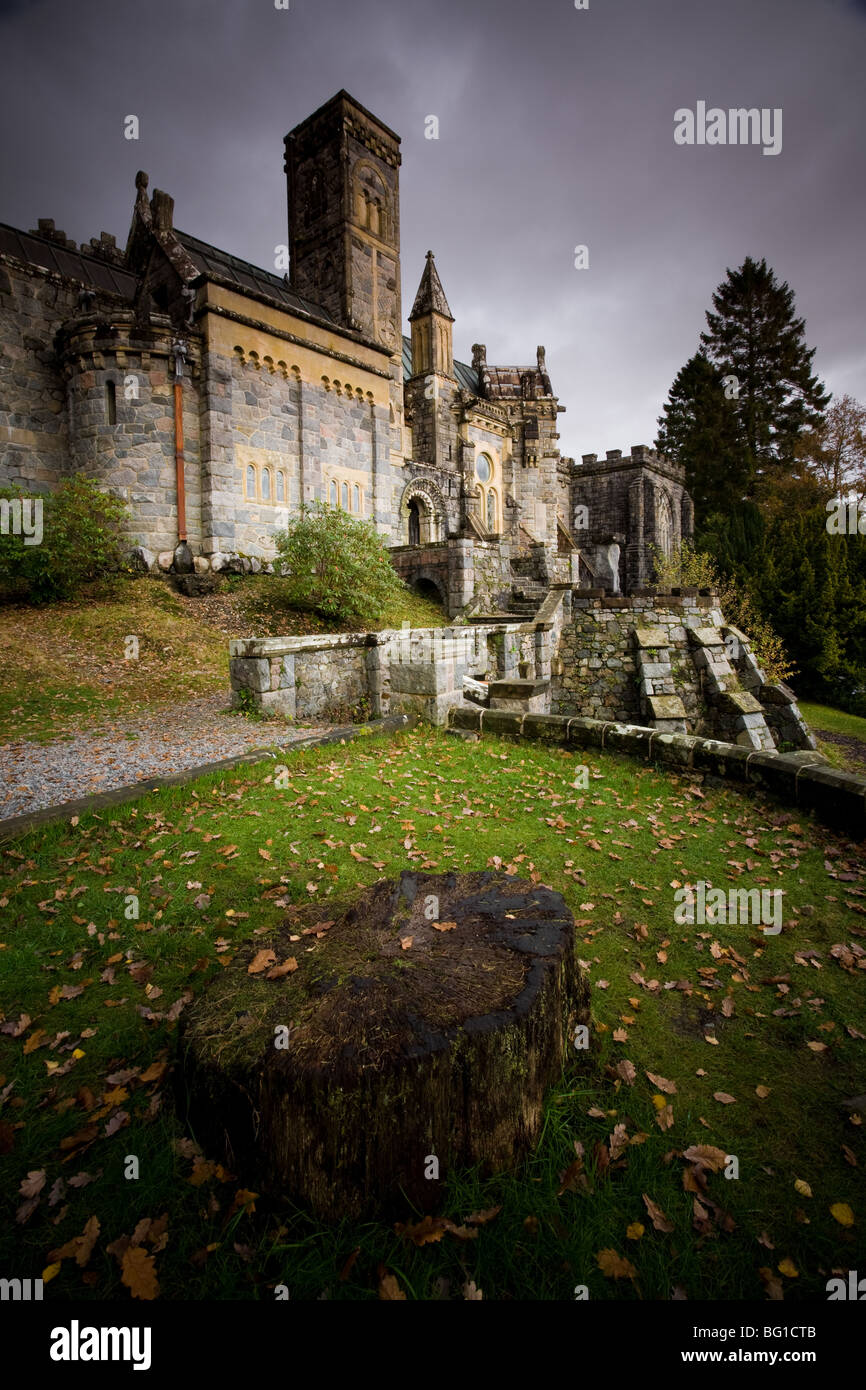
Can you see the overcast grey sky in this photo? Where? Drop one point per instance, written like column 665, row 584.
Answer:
column 556, row 129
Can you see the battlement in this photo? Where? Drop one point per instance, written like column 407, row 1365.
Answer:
column 640, row 453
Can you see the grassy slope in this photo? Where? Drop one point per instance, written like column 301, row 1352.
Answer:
column 64, row 665
column 614, row 852
column 824, row 720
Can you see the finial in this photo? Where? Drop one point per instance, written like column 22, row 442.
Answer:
column 141, row 180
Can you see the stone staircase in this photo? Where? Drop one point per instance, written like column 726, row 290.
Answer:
column 739, row 712
column 661, row 706
column 527, row 596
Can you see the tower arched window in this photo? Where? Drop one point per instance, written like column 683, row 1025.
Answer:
column 357, row 499
column 345, row 497
column 266, row 485
column 251, row 480
column 491, row 510
column 332, row 494
column 281, row 487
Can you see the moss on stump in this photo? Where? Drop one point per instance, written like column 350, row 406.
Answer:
column 427, row 1019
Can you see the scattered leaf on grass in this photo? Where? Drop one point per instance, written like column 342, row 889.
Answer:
column 138, row 1273
column 614, row 1266
column 841, row 1212
column 657, row 1216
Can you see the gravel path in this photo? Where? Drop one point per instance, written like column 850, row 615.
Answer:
column 36, row 775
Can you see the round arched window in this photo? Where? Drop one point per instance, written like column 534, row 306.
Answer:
column 491, row 510
column 251, row 480
column 345, row 497
column 357, row 498
column 483, row 468
column 332, row 495
column 281, row 487
column 266, row 484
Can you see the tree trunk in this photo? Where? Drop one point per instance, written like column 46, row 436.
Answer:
column 424, row 1028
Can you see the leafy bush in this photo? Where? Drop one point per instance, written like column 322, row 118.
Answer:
column 80, row 540
column 687, row 567
column 337, row 565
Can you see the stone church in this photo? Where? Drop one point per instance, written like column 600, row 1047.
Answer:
column 215, row 397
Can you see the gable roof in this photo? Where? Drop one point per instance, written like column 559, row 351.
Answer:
column 244, row 276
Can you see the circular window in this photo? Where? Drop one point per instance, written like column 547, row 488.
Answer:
column 483, row 468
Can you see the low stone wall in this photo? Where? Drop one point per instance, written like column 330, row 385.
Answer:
column 417, row 671
column 799, row 779
column 306, row 677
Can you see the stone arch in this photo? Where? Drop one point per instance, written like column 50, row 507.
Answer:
column 371, row 199
column 424, row 580
column 429, row 508
column 665, row 537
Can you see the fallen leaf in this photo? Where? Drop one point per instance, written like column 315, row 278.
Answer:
column 138, row 1273
column 389, row 1289
column 287, row 967
column 841, row 1212
column 260, row 961
column 724, row 1098
column 788, row 1268
column 669, row 1087
column 657, row 1216
column 614, row 1266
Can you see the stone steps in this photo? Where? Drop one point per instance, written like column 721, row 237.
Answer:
column 739, row 711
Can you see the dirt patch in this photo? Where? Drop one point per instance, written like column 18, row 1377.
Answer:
column 854, row 749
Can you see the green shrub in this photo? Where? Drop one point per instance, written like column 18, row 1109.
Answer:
column 337, row 565
column 79, row 539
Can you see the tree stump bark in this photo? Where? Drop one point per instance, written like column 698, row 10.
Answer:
column 420, row 1032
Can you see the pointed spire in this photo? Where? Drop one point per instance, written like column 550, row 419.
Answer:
column 430, row 298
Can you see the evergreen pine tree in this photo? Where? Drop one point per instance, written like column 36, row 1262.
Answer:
column 699, row 430
column 755, row 337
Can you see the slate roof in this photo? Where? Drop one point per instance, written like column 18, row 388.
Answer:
column 63, row 260
column 246, row 276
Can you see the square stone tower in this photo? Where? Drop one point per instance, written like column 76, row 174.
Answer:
column 342, row 166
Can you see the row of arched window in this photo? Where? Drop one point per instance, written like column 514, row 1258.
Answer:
column 348, row 496
column 265, row 484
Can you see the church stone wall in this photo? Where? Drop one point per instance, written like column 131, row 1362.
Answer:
column 33, row 433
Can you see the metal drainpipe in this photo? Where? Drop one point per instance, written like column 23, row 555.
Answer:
column 179, row 351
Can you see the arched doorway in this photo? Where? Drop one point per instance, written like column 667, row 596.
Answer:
column 414, row 522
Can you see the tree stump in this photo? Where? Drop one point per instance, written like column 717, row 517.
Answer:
column 420, row 1032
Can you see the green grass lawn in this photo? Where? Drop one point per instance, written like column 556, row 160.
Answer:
column 837, row 721
column 774, row 1022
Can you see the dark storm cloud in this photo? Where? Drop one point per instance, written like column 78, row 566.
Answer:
column 555, row 130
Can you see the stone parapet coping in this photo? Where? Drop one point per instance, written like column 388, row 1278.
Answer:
column 837, row 798
column 263, row 647
column 344, row 733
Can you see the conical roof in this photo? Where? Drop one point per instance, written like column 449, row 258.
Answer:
column 430, row 298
